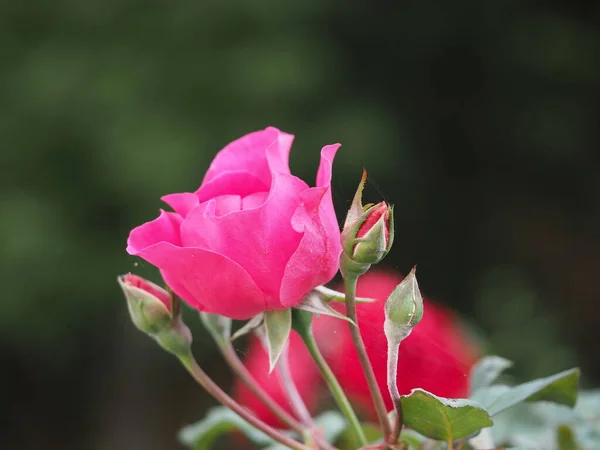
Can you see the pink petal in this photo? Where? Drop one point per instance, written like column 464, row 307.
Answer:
column 261, row 240
column 206, row 280
column 278, row 153
column 231, row 183
column 254, row 200
column 316, row 259
column 182, row 203
column 165, row 228
column 226, row 204
column 249, row 154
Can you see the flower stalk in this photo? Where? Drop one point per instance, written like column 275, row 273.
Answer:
column 302, row 323
column 188, row 361
column 376, row 396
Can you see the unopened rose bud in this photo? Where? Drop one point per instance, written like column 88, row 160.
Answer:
column 152, row 311
column 403, row 309
column 373, row 235
column 368, row 231
column 149, row 305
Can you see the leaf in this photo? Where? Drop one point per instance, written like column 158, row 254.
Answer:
column 412, row 438
column 249, row 326
column 278, row 324
column 331, row 295
column 332, row 423
column 441, row 418
column 565, row 438
column 356, row 208
column 487, row 370
column 347, row 440
column 314, row 304
column 220, row 420
column 560, row 388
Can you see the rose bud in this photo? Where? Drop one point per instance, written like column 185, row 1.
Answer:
column 149, row 305
column 403, row 309
column 151, row 310
column 373, row 235
column 368, row 233
column 437, row 356
column 253, row 237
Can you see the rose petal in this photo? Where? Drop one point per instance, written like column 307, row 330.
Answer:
column 165, row 228
column 227, row 203
column 316, row 259
column 254, row 200
column 182, row 203
column 249, row 154
column 278, row 153
column 231, row 183
column 261, row 240
column 206, row 280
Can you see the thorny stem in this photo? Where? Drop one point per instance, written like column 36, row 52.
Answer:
column 211, row 387
column 392, row 374
column 378, row 403
column 334, row 386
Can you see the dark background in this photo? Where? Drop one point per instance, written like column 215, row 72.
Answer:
column 478, row 119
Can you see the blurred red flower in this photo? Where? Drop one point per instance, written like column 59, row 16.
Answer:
column 437, row 356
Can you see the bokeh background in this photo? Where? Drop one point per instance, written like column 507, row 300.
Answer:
column 479, row 120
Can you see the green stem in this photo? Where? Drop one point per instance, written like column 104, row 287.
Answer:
column 363, row 357
column 248, row 379
column 211, row 387
column 392, row 375
column 334, row 386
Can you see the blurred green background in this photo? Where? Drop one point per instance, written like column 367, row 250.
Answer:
column 479, row 120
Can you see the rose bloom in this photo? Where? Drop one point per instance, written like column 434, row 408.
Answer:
column 437, row 356
column 253, row 237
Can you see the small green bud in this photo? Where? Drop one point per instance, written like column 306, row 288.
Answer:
column 150, row 306
column 403, row 309
column 152, row 311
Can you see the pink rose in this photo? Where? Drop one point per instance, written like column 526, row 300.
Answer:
column 253, row 237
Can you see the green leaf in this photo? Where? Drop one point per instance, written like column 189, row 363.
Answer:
column 220, row 420
column 330, row 295
column 412, row 438
column 314, row 304
column 487, row 370
column 348, row 441
column 278, row 324
column 565, row 438
column 356, row 207
column 560, row 388
column 332, row 423
column 441, row 418
column 249, row 326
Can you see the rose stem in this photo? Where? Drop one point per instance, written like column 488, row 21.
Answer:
column 211, row 387
column 334, row 386
column 350, row 288
column 392, row 374
column 238, row 367
column 248, row 379
column 285, row 377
